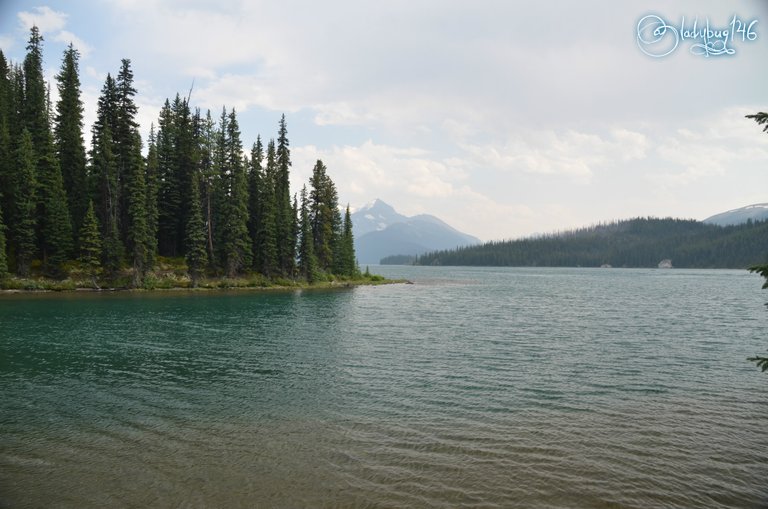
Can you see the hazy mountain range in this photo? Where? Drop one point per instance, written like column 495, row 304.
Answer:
column 381, row 231
column 757, row 212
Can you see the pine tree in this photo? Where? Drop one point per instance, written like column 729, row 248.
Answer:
column 237, row 243
column 6, row 153
column 35, row 108
column 105, row 174
column 131, row 183
column 170, row 192
column 54, row 220
column 347, row 264
column 3, row 256
column 255, row 205
column 90, row 245
column 196, row 254
column 324, row 216
column 136, row 228
column 307, row 260
column 209, row 180
column 25, row 203
column 285, row 219
column 268, row 232
column 152, row 185
column 68, row 137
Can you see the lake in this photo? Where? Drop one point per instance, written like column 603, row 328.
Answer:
column 473, row 387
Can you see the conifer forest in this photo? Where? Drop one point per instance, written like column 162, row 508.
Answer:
column 190, row 195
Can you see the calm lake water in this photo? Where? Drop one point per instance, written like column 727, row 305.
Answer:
column 473, row 387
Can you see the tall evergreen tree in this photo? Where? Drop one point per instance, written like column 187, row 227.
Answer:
column 25, row 203
column 35, row 108
column 153, row 186
column 170, row 191
column 136, row 208
column 196, row 253
column 237, row 243
column 255, row 205
column 90, row 245
column 103, row 169
column 307, row 261
column 324, row 216
column 54, row 220
column 68, row 137
column 346, row 263
column 268, row 231
column 6, row 152
column 209, row 179
column 105, row 177
column 285, row 219
column 131, row 183
column 3, row 255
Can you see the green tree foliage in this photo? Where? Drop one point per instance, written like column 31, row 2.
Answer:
column 255, row 202
column 237, row 243
column 6, row 152
column 640, row 242
column 346, row 260
column 25, row 204
column 285, row 218
column 194, row 188
column 151, row 206
column 136, row 209
column 307, row 262
column 761, row 118
column 54, row 220
column 324, row 216
column 90, row 245
column 268, row 231
column 208, row 176
column 196, row 253
column 3, row 256
column 68, row 137
column 130, row 174
column 35, row 104
column 104, row 172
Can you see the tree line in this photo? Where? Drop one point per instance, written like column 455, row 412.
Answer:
column 639, row 242
column 195, row 195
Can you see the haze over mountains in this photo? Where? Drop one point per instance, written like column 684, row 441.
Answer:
column 381, row 231
column 757, row 212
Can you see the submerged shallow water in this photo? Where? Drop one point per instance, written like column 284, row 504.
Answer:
column 474, row 387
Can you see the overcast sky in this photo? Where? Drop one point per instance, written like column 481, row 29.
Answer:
column 502, row 118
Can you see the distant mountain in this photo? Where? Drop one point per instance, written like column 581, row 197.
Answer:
column 381, row 231
column 758, row 212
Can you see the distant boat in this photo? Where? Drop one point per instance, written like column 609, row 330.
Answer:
column 665, row 264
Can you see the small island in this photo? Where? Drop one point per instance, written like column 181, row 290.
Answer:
column 195, row 210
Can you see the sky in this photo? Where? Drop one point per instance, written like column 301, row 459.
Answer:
column 503, row 118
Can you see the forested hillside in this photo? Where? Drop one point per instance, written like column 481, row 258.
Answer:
column 630, row 243
column 194, row 198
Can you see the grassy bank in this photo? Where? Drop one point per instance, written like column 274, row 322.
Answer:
column 171, row 274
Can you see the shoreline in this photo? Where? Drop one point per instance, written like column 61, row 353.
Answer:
column 207, row 286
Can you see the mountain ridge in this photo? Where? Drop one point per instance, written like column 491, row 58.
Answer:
column 381, row 231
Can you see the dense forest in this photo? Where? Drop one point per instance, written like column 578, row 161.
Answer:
column 196, row 198
column 641, row 242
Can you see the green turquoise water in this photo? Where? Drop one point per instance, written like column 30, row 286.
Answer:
column 470, row 388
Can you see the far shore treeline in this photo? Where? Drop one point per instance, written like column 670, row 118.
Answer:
column 195, row 202
column 639, row 242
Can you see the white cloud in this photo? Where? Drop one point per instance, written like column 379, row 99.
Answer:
column 570, row 154
column 45, row 18
column 722, row 144
column 67, row 37
column 6, row 42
